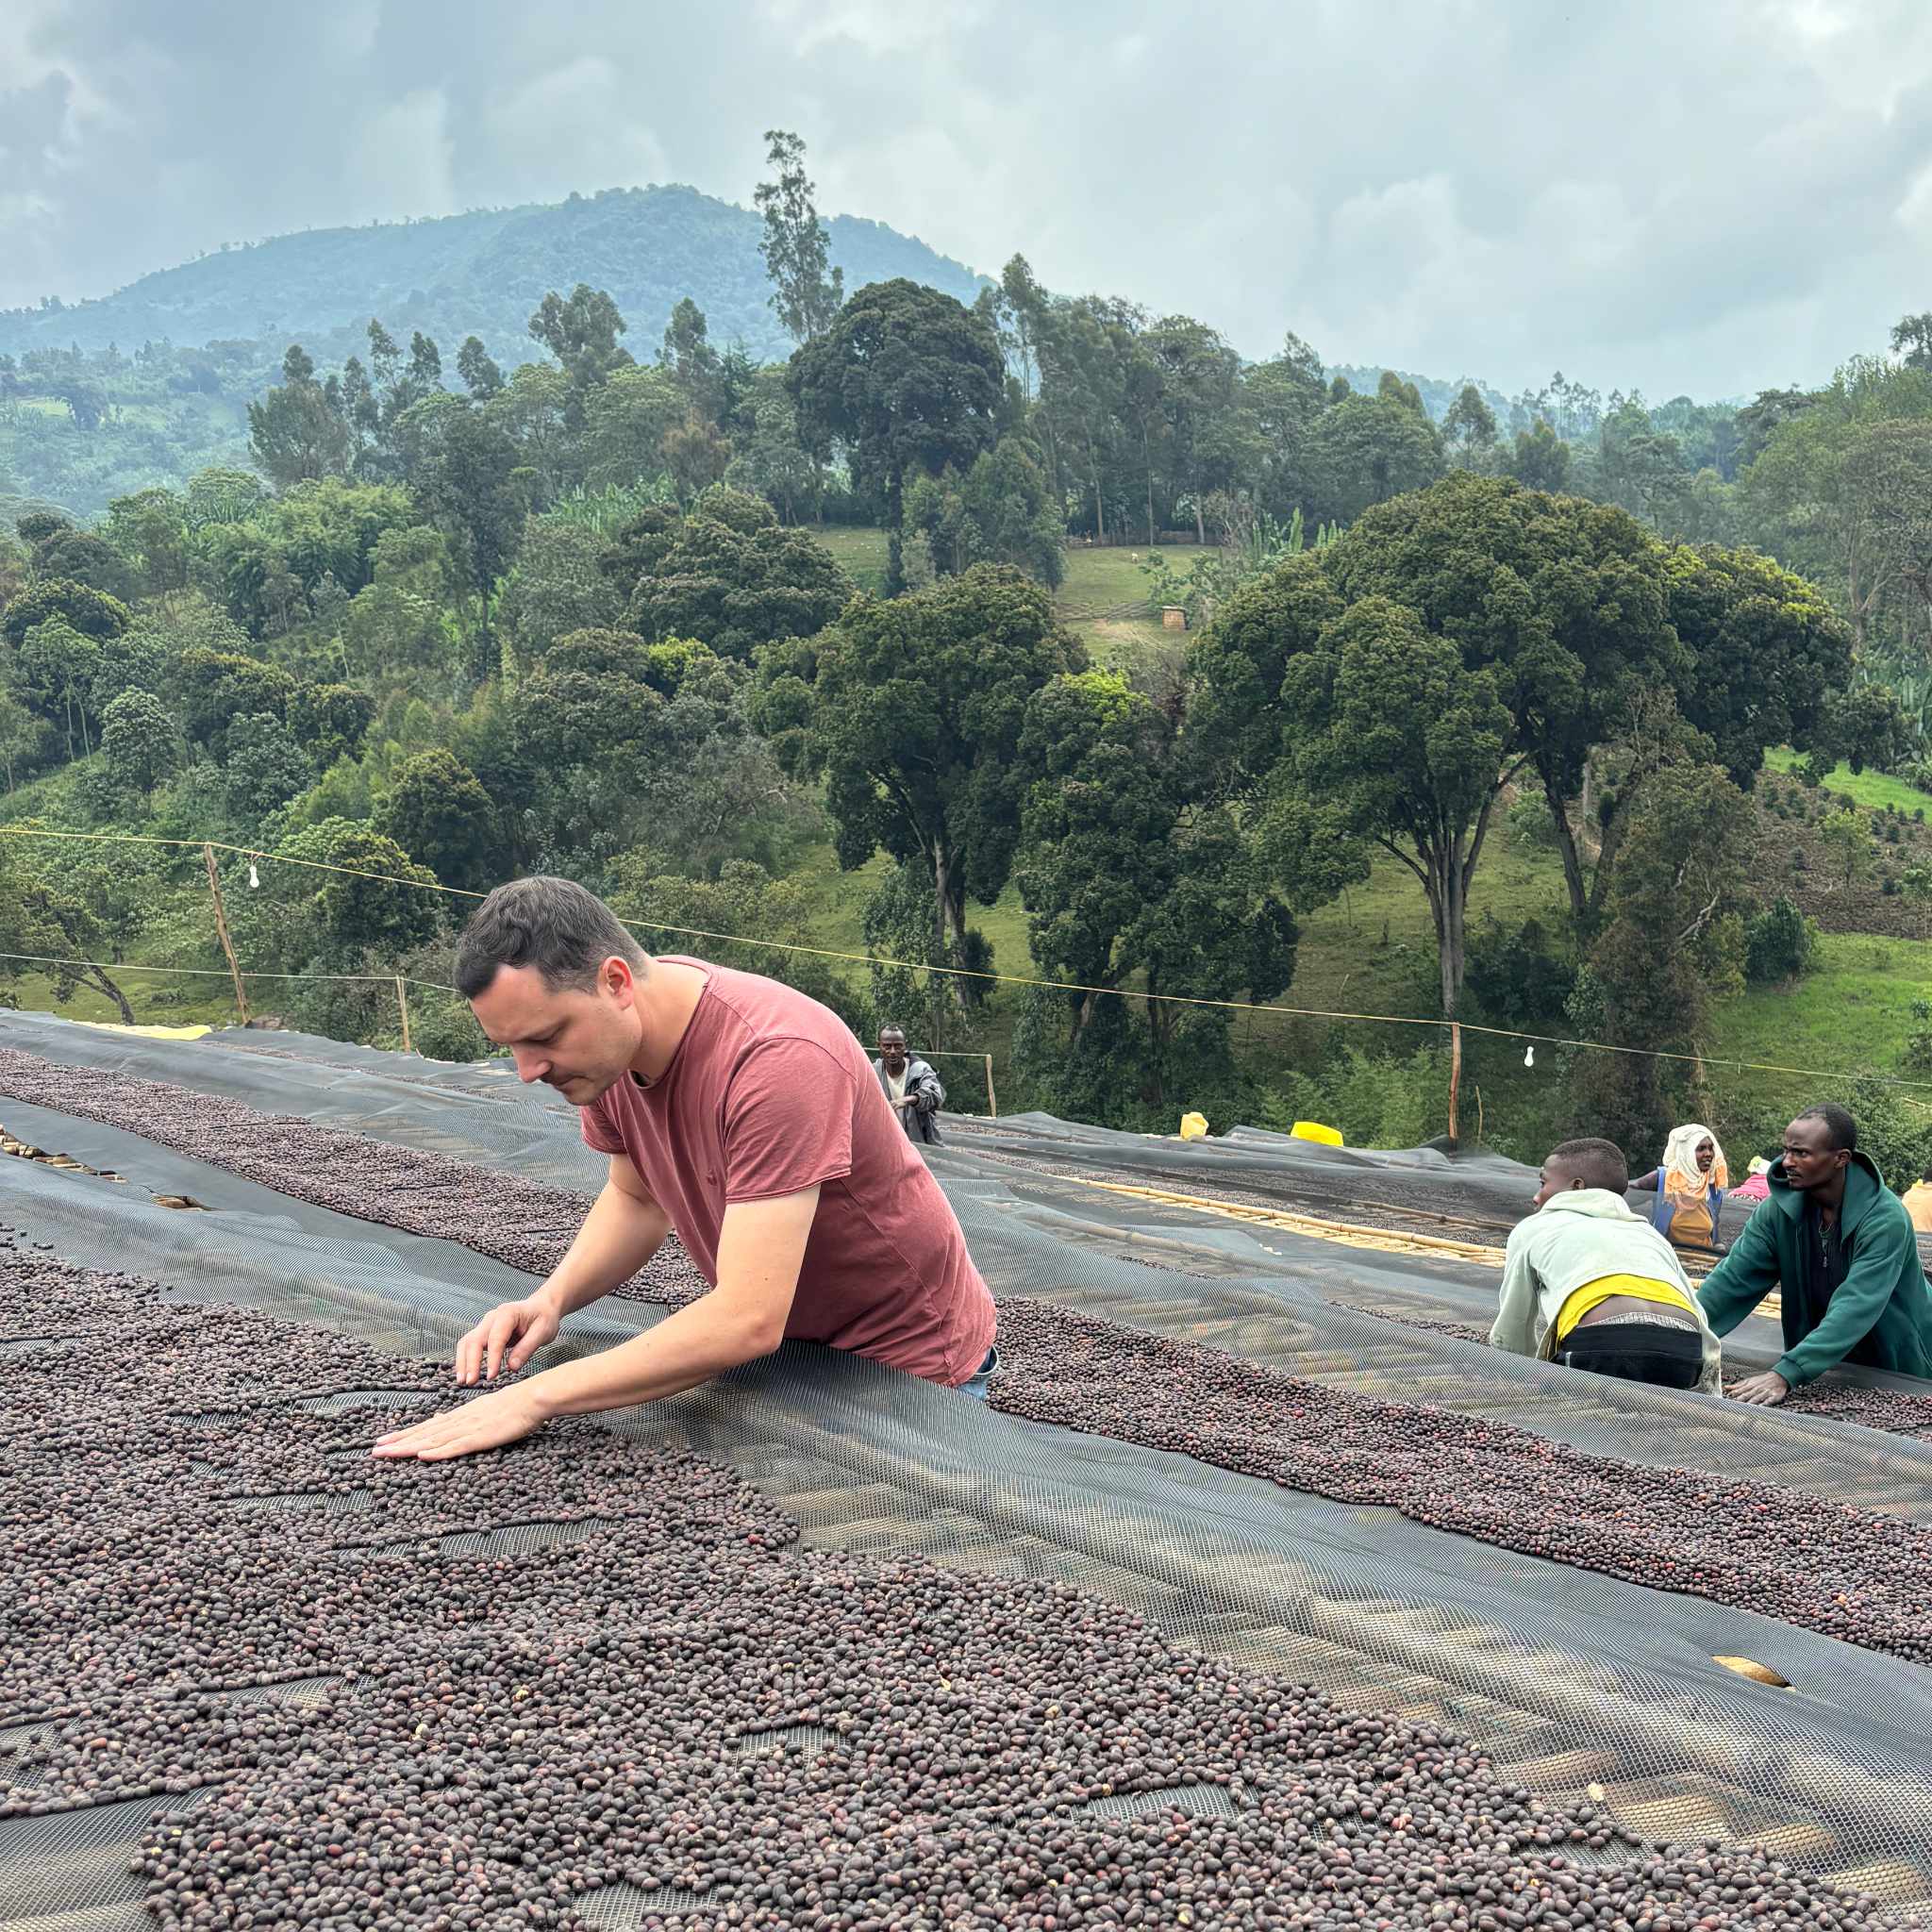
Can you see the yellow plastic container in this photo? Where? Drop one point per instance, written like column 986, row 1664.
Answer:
column 1193, row 1126
column 1314, row 1130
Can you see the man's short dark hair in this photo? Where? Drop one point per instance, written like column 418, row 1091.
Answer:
column 1595, row 1164
column 1839, row 1125
column 554, row 924
column 892, row 1027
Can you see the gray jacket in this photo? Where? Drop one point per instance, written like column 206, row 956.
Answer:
column 926, row 1095
column 1579, row 1236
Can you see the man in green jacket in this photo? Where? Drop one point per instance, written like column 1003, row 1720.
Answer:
column 1837, row 1245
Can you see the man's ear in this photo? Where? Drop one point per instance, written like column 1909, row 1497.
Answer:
column 618, row 979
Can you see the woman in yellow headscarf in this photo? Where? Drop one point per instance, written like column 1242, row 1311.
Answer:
column 1689, row 1188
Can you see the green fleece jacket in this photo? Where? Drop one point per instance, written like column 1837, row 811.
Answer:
column 1881, row 1314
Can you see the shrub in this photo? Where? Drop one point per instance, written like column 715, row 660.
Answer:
column 1779, row 943
column 1517, row 976
column 1375, row 1101
column 1893, row 1131
column 1531, row 829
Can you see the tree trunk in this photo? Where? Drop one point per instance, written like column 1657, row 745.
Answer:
column 1455, row 909
column 1099, row 512
column 949, row 919
column 943, row 895
column 1147, row 464
column 1200, row 524
column 114, row 993
column 1053, row 463
column 1607, row 859
column 1572, row 858
column 1436, row 884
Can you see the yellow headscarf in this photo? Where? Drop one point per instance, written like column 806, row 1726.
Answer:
column 1681, row 1175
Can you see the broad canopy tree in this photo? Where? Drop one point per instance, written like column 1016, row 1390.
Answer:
column 914, row 720
column 41, row 916
column 1128, row 884
column 1565, row 599
column 437, row 811
column 908, row 380
column 726, row 574
column 1459, row 638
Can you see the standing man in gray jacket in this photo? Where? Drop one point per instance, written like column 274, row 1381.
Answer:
column 910, row 1085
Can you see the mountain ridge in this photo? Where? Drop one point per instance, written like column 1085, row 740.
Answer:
column 480, row 272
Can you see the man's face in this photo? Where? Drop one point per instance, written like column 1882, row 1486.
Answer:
column 578, row 1042
column 1811, row 1159
column 892, row 1051
column 1554, row 1179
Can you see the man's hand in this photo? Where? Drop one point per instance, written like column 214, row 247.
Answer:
column 505, row 1415
column 1764, row 1391
column 521, row 1328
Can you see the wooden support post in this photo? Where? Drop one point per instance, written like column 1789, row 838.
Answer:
column 402, row 1007
column 1454, row 1079
column 214, row 886
column 992, row 1105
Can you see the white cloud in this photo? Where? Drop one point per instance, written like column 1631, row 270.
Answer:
column 574, row 128
column 1682, row 197
column 398, row 160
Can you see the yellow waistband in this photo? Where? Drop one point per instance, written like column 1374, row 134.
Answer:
column 1606, row 1288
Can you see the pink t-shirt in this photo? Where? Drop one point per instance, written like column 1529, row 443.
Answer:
column 767, row 1094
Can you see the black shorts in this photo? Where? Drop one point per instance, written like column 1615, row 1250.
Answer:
column 1661, row 1353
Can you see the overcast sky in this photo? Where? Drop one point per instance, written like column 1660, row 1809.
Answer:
column 1703, row 196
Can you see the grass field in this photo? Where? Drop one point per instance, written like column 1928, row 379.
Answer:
column 861, row 554
column 1104, row 598
column 158, row 999
column 1874, row 790
column 1851, row 1015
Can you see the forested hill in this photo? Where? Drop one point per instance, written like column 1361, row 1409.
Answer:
column 481, row 273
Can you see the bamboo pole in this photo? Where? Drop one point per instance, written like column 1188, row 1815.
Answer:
column 1454, row 1079
column 992, row 1105
column 214, row 886
column 402, row 1007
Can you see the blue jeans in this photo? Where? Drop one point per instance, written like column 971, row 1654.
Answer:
column 975, row 1384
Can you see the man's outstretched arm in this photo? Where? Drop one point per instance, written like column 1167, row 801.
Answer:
column 625, row 1227
column 760, row 1249
column 1744, row 1277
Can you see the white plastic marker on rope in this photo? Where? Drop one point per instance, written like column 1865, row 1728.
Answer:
column 254, row 877
column 1529, row 1055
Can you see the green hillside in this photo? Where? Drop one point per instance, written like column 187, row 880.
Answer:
column 480, row 274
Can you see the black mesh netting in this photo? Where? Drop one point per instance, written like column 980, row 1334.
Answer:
column 1575, row 1682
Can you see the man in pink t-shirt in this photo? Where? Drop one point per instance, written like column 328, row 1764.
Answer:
column 743, row 1114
